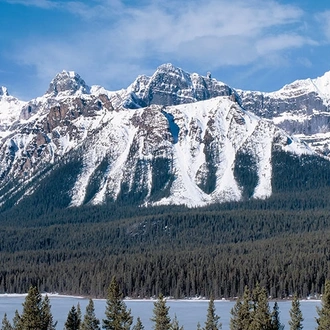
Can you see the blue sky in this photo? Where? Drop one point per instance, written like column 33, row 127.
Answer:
column 255, row 44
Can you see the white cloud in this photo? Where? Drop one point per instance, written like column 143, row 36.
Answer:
column 282, row 42
column 208, row 33
column 324, row 21
column 46, row 4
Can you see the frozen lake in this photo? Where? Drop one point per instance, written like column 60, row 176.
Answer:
column 189, row 312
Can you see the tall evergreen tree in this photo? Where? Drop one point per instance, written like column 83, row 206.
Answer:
column 296, row 317
column 73, row 320
column 212, row 319
column 17, row 321
column 36, row 313
column 260, row 315
column 46, row 315
column 118, row 317
column 138, row 325
column 90, row 321
column 276, row 323
column 323, row 320
column 161, row 316
column 6, row 325
column 241, row 312
column 31, row 317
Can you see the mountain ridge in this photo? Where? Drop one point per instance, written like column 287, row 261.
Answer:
column 191, row 147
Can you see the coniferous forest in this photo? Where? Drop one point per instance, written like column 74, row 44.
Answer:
column 282, row 242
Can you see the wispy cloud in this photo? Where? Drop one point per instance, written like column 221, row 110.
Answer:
column 45, row 4
column 324, row 21
column 113, row 37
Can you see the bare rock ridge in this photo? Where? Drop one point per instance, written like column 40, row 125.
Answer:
column 172, row 138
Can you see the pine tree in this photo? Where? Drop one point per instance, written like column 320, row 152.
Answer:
column 6, row 324
column 31, row 317
column 17, row 321
column 79, row 312
column 138, row 325
column 276, row 323
column 73, row 320
column 36, row 313
column 46, row 315
column 212, row 320
column 118, row 317
column 296, row 318
column 175, row 324
column 241, row 313
column 323, row 320
column 260, row 316
column 199, row 327
column 90, row 321
column 161, row 317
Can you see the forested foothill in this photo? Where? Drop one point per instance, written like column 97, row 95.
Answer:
column 281, row 242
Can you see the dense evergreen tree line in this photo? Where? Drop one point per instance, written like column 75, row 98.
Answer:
column 197, row 252
column 281, row 242
column 251, row 312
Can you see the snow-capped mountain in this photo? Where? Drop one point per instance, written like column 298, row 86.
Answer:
column 173, row 138
column 10, row 109
column 169, row 85
column 301, row 108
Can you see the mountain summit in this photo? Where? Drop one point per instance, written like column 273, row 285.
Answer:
column 3, row 91
column 69, row 82
column 170, row 85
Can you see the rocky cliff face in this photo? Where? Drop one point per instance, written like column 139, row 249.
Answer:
column 173, row 138
column 300, row 108
column 170, row 85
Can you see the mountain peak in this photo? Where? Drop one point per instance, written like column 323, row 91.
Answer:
column 68, row 81
column 168, row 67
column 3, row 91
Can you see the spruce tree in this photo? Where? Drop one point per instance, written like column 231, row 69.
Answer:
column 17, row 321
column 31, row 317
column 118, row 317
column 161, row 316
column 73, row 320
column 241, row 313
column 90, row 321
column 323, row 320
column 296, row 317
column 6, row 325
column 46, row 315
column 276, row 323
column 212, row 320
column 260, row 316
column 138, row 325
column 175, row 324
column 79, row 312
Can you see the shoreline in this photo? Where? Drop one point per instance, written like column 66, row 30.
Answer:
column 194, row 299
